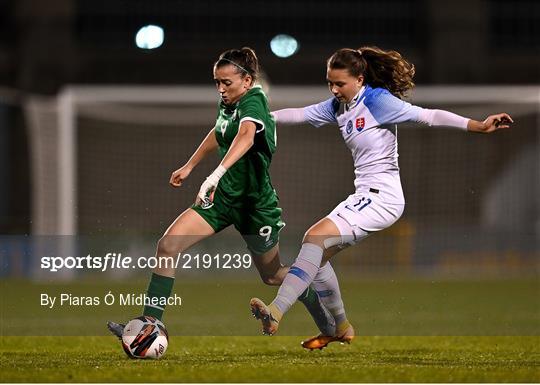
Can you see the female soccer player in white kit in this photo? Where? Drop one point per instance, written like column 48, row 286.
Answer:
column 367, row 86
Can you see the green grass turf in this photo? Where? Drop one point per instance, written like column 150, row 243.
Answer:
column 221, row 307
column 409, row 331
column 275, row 359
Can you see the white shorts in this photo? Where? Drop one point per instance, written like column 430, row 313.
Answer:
column 363, row 213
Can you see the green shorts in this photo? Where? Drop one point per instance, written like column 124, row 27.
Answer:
column 259, row 227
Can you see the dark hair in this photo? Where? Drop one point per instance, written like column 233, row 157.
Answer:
column 244, row 60
column 380, row 68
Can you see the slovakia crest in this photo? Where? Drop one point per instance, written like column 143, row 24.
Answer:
column 360, row 123
column 349, row 127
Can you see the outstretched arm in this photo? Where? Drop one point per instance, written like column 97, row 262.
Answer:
column 290, row 116
column 242, row 142
column 208, row 145
column 316, row 114
column 449, row 119
column 389, row 109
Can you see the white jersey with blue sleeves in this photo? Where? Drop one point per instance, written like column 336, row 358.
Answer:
column 368, row 126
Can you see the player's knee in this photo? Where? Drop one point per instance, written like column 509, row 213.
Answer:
column 168, row 246
column 315, row 238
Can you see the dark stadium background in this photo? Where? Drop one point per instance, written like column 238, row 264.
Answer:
column 45, row 46
column 451, row 292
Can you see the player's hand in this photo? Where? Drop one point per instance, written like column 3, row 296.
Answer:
column 209, row 186
column 178, row 176
column 493, row 123
column 205, row 194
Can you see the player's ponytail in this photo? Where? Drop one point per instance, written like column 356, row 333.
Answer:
column 380, row 68
column 244, row 59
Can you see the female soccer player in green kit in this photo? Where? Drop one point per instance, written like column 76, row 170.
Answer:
column 239, row 192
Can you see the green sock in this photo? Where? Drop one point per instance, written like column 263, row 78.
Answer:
column 159, row 287
column 308, row 296
column 322, row 317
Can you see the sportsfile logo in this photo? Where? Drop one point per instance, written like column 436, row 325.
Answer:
column 118, row 261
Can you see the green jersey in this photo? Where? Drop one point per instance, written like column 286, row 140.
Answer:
column 247, row 183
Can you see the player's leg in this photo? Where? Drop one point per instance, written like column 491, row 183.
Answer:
column 260, row 228
column 327, row 286
column 272, row 272
column 356, row 218
column 349, row 222
column 269, row 266
column 186, row 230
column 326, row 282
column 300, row 275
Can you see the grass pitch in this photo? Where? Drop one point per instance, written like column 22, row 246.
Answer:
column 275, row 359
column 408, row 331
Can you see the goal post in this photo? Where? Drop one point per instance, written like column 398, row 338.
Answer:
column 89, row 140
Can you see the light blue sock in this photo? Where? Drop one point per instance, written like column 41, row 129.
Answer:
column 327, row 287
column 299, row 277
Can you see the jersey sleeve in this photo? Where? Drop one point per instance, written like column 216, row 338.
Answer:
column 254, row 110
column 386, row 108
column 322, row 113
column 290, row 115
column 442, row 118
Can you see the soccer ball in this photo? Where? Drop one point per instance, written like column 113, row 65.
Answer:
column 145, row 337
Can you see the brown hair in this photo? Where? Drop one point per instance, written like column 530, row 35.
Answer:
column 380, row 68
column 244, row 60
